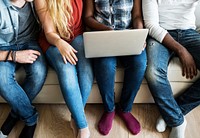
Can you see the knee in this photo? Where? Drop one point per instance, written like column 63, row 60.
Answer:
column 39, row 73
column 155, row 73
column 141, row 64
column 105, row 63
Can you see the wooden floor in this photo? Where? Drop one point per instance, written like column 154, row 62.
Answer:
column 54, row 122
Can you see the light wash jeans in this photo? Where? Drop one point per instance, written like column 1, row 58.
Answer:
column 75, row 80
column 19, row 97
column 134, row 69
column 158, row 57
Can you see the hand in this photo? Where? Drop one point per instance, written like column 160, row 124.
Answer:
column 188, row 65
column 68, row 52
column 27, row 56
column 145, row 45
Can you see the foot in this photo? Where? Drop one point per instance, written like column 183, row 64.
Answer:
column 2, row 135
column 160, row 124
column 83, row 133
column 74, row 128
column 179, row 131
column 27, row 132
column 130, row 121
column 105, row 123
column 8, row 125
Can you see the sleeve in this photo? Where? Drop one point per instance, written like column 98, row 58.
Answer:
column 151, row 19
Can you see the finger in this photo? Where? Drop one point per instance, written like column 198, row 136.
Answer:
column 29, row 61
column 194, row 70
column 187, row 72
column 74, row 50
column 64, row 59
column 145, row 44
column 74, row 56
column 35, row 52
column 183, row 71
column 71, row 60
column 34, row 56
column 191, row 73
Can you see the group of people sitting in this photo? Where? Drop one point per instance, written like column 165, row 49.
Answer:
column 37, row 33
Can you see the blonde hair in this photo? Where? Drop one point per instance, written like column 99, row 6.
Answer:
column 61, row 14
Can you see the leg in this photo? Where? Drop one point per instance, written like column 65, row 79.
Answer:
column 156, row 75
column 35, row 78
column 84, row 69
column 105, row 75
column 191, row 97
column 135, row 67
column 68, row 80
column 15, row 95
column 35, row 73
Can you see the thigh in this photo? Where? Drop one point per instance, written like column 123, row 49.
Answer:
column 67, row 73
column 7, row 74
column 135, row 61
column 35, row 73
column 158, row 56
column 39, row 67
column 84, row 68
column 191, row 41
column 84, row 65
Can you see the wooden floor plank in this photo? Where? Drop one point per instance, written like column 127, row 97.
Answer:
column 54, row 122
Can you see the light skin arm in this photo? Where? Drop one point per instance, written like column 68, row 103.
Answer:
column 23, row 56
column 89, row 17
column 66, row 50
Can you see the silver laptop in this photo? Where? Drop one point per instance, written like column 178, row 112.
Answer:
column 114, row 43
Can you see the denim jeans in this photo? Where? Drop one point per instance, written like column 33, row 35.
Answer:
column 75, row 80
column 20, row 97
column 158, row 57
column 134, row 69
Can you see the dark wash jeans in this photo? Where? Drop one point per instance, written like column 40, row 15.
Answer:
column 158, row 57
column 134, row 69
column 20, row 97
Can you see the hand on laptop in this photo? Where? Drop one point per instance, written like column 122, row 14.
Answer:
column 68, row 52
column 145, row 44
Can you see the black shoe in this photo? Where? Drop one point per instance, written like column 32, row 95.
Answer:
column 27, row 132
column 8, row 124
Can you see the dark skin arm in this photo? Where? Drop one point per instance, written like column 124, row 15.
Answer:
column 188, row 65
column 89, row 17
column 137, row 15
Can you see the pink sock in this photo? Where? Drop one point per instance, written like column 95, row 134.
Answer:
column 105, row 123
column 130, row 121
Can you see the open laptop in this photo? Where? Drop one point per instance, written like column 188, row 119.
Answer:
column 114, row 43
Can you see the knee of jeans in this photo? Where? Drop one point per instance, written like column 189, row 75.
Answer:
column 140, row 64
column 106, row 63
column 153, row 74
column 39, row 74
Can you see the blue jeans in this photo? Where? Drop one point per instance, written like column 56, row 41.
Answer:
column 134, row 69
column 75, row 80
column 158, row 57
column 20, row 97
